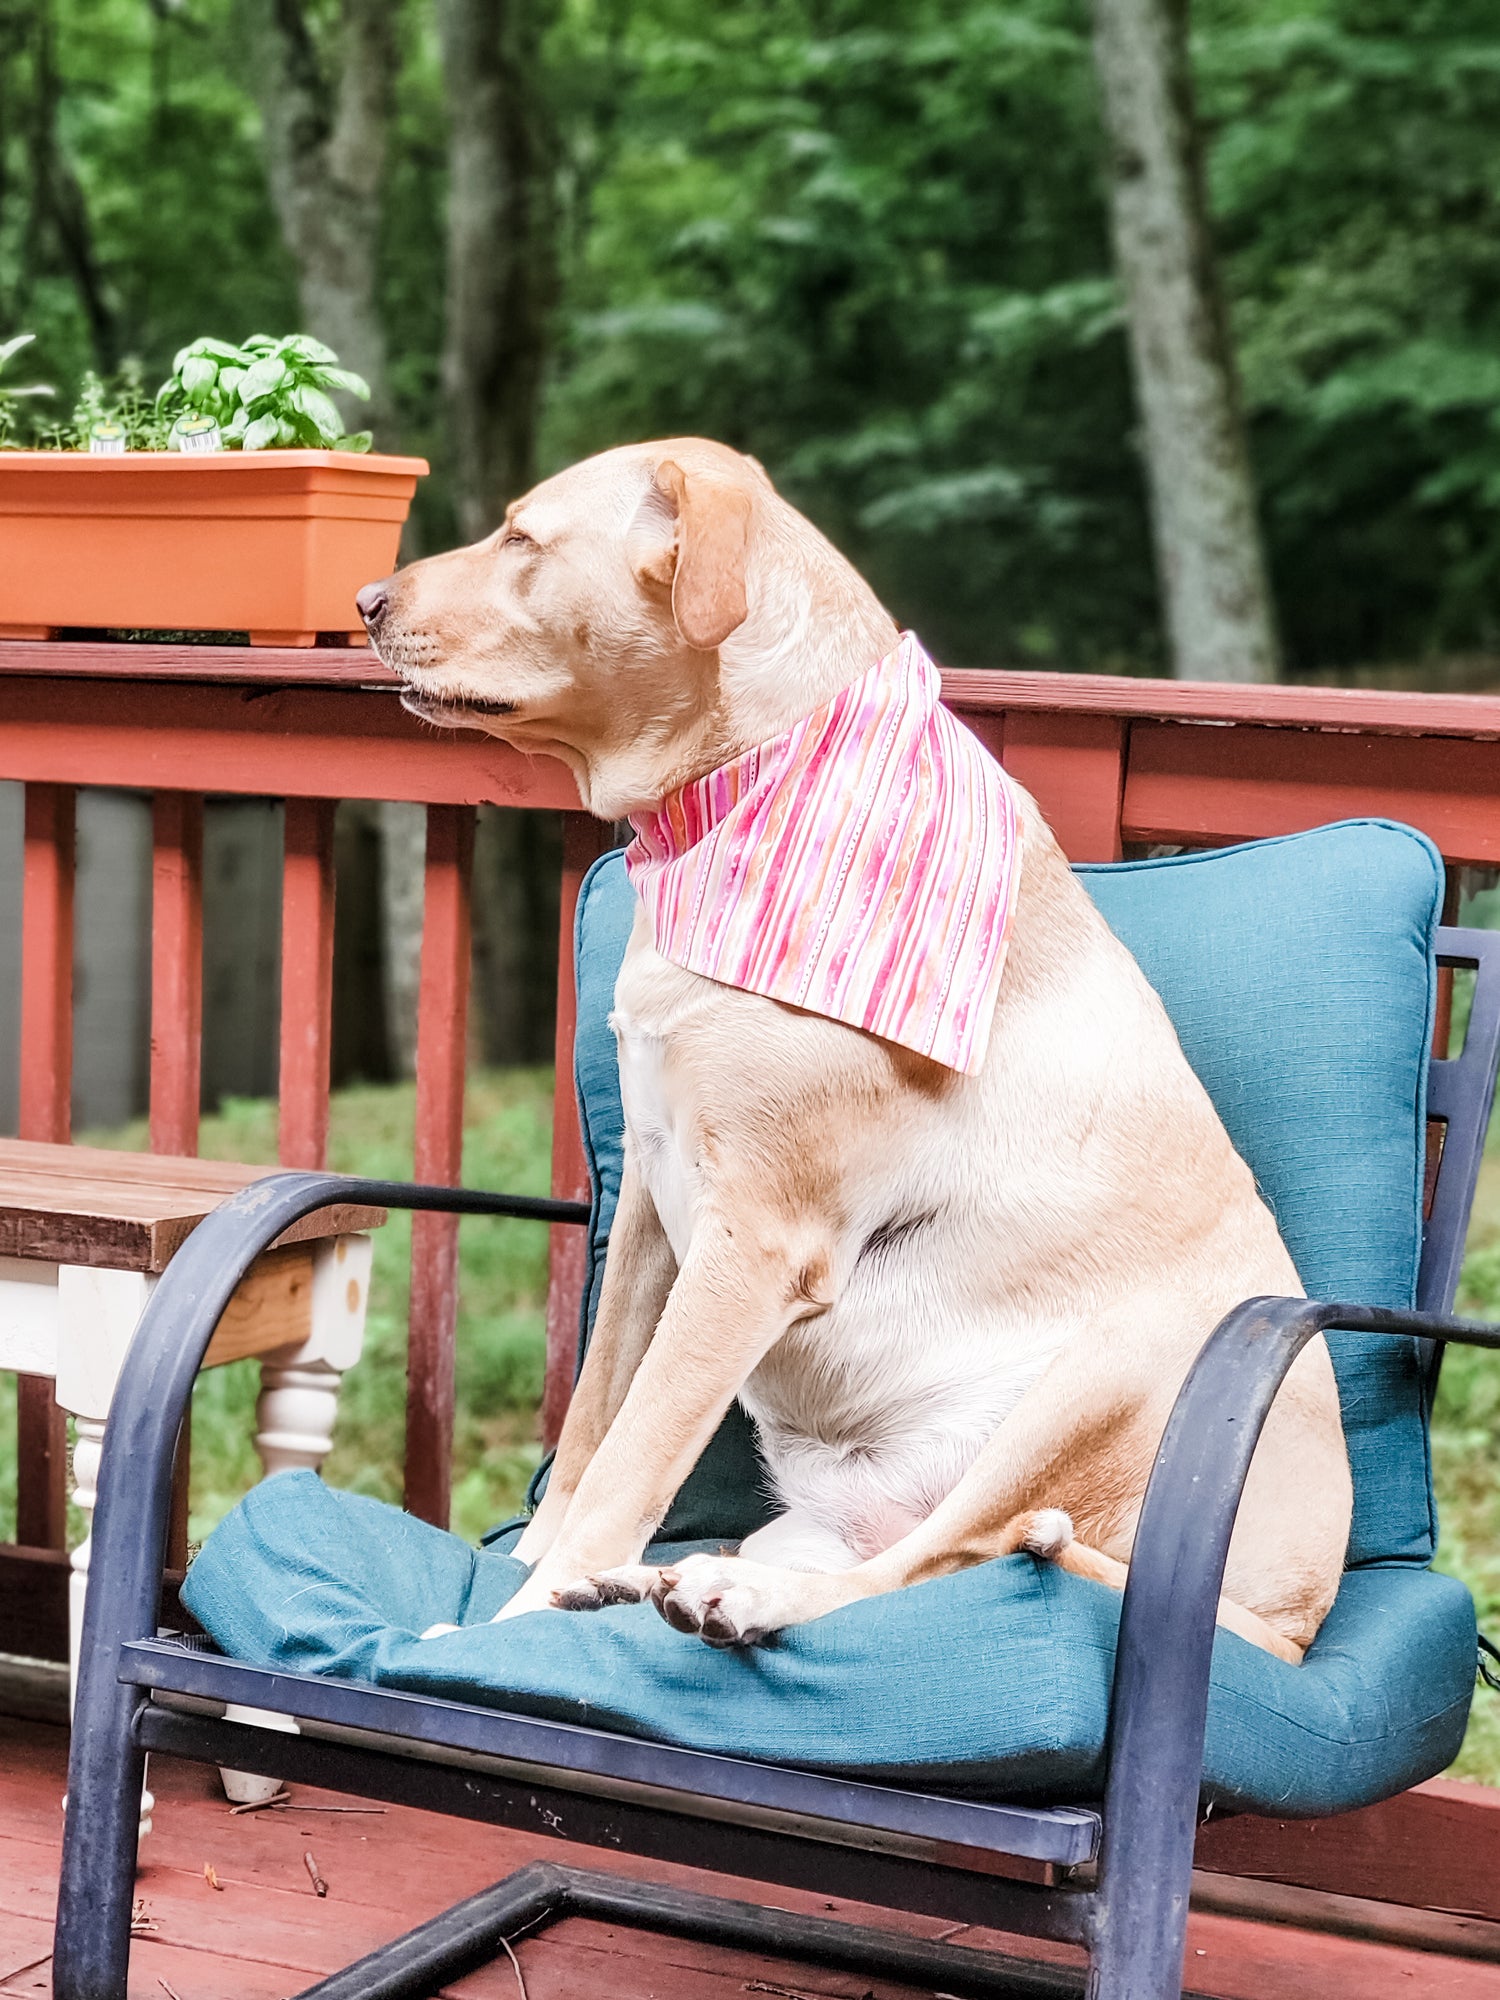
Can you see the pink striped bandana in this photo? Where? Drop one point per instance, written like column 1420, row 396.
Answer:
column 863, row 866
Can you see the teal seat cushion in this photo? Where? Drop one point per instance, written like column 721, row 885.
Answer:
column 1299, row 974
column 994, row 1681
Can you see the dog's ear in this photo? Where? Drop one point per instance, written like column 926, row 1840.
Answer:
column 703, row 562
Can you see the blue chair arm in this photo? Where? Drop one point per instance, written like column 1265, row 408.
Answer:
column 1159, row 1705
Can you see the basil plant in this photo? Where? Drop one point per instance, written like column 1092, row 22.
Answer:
column 266, row 395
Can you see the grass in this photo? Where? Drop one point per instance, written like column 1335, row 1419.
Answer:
column 502, row 1291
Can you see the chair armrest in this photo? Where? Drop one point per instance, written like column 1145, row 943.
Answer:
column 156, row 1381
column 1159, row 1704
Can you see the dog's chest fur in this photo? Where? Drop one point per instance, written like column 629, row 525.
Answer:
column 977, row 1223
column 871, row 1410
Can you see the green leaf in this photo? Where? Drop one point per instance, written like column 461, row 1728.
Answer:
column 230, row 380
column 317, row 408
column 344, row 378
column 261, row 434
column 218, row 350
column 263, row 378
column 198, row 376
column 16, row 343
column 356, row 441
column 309, row 349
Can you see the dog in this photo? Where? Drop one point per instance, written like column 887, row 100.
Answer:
column 958, row 1304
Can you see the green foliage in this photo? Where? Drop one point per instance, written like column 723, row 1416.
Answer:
column 266, row 394
column 121, row 400
column 1359, row 214
column 1465, row 1426
column 12, row 395
column 867, row 242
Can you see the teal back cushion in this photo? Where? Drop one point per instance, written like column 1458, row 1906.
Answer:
column 1299, row 974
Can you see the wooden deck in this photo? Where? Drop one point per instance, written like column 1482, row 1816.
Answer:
column 264, row 1933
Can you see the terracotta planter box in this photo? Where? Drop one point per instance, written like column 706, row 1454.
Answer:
column 273, row 543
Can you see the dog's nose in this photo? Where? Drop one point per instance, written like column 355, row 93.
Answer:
column 371, row 604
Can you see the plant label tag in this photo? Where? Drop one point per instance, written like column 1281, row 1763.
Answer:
column 196, row 434
column 107, row 438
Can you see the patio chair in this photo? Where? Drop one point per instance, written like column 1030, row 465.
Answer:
column 908, row 1751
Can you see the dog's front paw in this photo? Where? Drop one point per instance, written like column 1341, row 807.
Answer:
column 728, row 1601
column 631, row 1584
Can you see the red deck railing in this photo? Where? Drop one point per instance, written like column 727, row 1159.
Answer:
column 1118, row 765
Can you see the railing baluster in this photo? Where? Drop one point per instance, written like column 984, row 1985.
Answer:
column 306, row 981
column 442, row 1034
column 47, row 964
column 46, row 1087
column 176, row 970
column 1074, row 767
column 584, row 840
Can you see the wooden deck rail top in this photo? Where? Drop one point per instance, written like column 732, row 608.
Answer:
column 1376, row 711
column 1118, row 766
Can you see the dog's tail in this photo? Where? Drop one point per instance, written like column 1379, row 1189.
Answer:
column 1044, row 1532
column 1047, row 1534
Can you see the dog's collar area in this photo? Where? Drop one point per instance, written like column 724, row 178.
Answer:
column 863, row 865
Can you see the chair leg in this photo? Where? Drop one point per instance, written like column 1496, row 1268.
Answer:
column 101, row 1831
column 1141, row 1910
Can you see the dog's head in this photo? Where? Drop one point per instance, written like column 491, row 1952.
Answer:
column 644, row 615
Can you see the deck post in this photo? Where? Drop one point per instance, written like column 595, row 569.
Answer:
column 442, row 1039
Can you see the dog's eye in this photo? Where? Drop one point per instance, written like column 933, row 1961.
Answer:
column 515, row 538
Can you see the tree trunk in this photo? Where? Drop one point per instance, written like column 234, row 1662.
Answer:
column 502, row 249
column 325, row 107
column 1210, row 561
column 58, row 231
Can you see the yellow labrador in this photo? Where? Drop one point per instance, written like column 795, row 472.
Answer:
column 958, row 1307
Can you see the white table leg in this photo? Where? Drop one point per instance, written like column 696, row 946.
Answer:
column 97, row 1314
column 299, row 1396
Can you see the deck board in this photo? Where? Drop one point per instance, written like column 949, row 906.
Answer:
column 264, row 1934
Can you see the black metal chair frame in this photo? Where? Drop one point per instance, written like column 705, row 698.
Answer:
column 1121, row 1870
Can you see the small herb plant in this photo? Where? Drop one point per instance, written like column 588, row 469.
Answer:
column 266, row 395
column 13, row 395
column 125, row 402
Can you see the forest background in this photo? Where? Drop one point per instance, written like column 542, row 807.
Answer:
column 867, row 241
